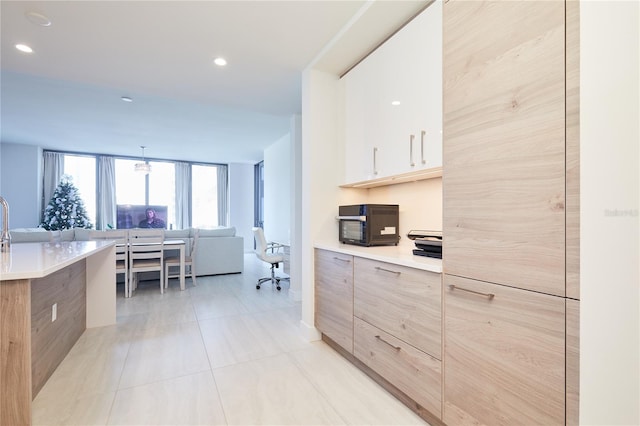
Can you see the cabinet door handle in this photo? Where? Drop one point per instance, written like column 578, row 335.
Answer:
column 342, row 260
column 411, row 137
column 489, row 295
column 397, row 348
column 387, row 270
column 375, row 167
column 422, row 135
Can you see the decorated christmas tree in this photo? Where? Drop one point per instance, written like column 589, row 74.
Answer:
column 66, row 209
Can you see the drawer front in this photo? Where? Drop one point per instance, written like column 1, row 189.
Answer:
column 404, row 302
column 412, row 371
column 334, row 297
column 504, row 355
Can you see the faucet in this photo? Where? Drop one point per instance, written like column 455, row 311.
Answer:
column 5, row 238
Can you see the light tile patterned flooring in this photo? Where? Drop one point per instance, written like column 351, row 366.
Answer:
column 219, row 353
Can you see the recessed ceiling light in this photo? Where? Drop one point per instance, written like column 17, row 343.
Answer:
column 38, row 19
column 24, row 48
column 221, row 62
column 126, row 99
column 395, row 103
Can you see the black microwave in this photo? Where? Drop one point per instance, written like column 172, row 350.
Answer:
column 369, row 224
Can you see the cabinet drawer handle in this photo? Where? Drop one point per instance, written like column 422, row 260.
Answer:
column 422, row 135
column 387, row 270
column 397, row 348
column 489, row 295
column 375, row 167
column 411, row 137
column 342, row 260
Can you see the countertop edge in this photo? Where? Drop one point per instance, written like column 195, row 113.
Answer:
column 398, row 255
column 100, row 245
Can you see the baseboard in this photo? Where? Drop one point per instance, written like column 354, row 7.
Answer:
column 310, row 333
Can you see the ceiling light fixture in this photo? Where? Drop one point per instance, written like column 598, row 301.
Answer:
column 221, row 62
column 24, row 48
column 395, row 103
column 143, row 167
column 126, row 99
column 38, row 19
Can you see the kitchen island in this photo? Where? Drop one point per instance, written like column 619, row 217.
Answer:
column 49, row 294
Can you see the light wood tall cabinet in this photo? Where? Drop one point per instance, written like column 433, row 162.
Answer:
column 334, row 296
column 504, row 149
column 511, row 207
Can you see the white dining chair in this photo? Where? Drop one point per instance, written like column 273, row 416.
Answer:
column 121, row 237
column 189, row 263
column 146, row 254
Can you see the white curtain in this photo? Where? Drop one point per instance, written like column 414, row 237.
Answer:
column 106, row 214
column 223, row 195
column 52, row 170
column 183, row 195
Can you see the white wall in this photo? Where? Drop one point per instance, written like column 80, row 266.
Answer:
column 277, row 190
column 295, row 272
column 21, row 183
column 609, row 135
column 241, row 201
column 321, row 147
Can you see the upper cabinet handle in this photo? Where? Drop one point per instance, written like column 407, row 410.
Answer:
column 411, row 137
column 375, row 167
column 489, row 295
column 422, row 136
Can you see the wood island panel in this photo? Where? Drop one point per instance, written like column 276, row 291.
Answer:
column 51, row 341
column 15, row 352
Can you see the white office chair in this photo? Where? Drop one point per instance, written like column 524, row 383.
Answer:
column 267, row 253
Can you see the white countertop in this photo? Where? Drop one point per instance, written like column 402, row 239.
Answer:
column 400, row 255
column 37, row 260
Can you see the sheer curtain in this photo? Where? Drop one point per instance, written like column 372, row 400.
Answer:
column 223, row 195
column 106, row 214
column 52, row 170
column 183, row 195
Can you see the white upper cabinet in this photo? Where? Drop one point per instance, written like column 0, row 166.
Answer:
column 393, row 103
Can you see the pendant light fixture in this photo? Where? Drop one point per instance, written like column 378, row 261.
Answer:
column 143, row 167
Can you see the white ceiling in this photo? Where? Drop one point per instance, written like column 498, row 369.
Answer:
column 66, row 94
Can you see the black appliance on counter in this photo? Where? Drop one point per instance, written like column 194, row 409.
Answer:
column 369, row 224
column 428, row 243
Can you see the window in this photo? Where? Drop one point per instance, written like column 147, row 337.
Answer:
column 130, row 185
column 162, row 189
column 82, row 169
column 204, row 196
column 158, row 188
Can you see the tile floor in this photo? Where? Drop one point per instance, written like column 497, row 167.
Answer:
column 219, row 353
